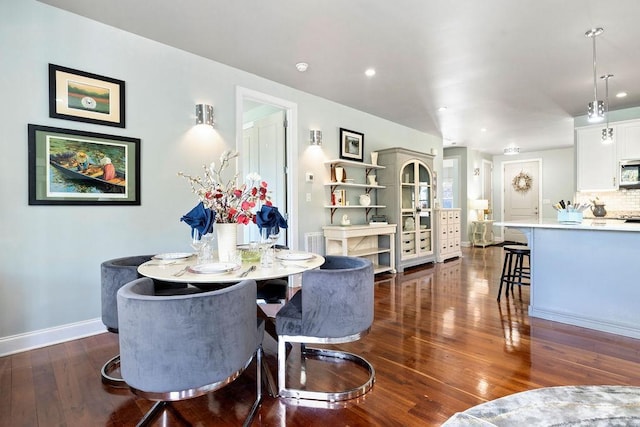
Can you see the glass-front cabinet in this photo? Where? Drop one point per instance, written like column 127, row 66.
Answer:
column 415, row 178
column 408, row 199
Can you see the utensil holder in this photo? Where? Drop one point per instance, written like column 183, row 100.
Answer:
column 570, row 217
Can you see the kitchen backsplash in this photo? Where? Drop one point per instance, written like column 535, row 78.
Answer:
column 616, row 203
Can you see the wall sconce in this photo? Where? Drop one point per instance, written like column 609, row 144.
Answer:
column 204, row 114
column 476, row 171
column 315, row 138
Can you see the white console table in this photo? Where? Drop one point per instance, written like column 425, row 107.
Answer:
column 374, row 242
column 482, row 233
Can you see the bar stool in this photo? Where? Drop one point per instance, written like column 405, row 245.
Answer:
column 514, row 272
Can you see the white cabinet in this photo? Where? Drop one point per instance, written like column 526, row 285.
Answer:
column 447, row 227
column 596, row 162
column 408, row 198
column 356, row 181
column 628, row 140
column 374, row 242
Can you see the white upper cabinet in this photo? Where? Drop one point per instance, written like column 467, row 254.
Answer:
column 596, row 162
column 628, row 140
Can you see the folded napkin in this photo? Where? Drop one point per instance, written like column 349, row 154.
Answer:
column 200, row 218
column 269, row 217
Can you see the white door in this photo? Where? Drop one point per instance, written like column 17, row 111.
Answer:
column 264, row 142
column 521, row 183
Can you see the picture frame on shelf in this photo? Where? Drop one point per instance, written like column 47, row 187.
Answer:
column 351, row 145
column 85, row 97
column 72, row 167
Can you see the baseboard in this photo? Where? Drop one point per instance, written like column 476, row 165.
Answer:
column 585, row 322
column 46, row 337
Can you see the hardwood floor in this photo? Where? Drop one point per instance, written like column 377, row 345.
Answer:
column 440, row 344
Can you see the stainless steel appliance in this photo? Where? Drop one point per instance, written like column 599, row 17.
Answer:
column 629, row 174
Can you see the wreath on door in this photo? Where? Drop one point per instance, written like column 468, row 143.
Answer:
column 522, row 182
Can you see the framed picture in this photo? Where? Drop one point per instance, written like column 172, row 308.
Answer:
column 85, row 97
column 351, row 145
column 71, row 167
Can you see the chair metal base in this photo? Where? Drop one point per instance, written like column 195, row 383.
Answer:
column 107, row 373
column 319, row 353
column 164, row 399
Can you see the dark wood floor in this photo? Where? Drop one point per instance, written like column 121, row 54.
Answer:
column 440, row 344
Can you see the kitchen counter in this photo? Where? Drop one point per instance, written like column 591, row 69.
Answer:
column 607, row 224
column 585, row 274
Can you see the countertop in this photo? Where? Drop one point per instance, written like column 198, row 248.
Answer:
column 587, row 224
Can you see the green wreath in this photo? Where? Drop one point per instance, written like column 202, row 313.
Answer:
column 522, row 182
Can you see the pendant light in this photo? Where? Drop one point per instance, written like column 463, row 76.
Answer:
column 607, row 132
column 595, row 112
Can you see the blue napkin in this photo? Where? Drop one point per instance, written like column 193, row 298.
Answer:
column 200, row 218
column 269, row 217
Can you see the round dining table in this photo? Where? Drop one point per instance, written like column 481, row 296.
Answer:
column 187, row 269
column 184, row 268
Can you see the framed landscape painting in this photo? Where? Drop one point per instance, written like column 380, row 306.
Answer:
column 71, row 167
column 351, row 145
column 85, row 97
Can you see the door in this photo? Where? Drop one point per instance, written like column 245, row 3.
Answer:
column 264, row 142
column 251, row 108
column 521, row 189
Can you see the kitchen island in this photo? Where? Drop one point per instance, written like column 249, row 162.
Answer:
column 585, row 274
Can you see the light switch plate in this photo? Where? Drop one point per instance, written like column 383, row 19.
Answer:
column 308, row 177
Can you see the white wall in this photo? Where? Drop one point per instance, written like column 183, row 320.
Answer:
column 558, row 178
column 50, row 255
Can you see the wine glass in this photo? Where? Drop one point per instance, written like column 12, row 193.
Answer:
column 268, row 237
column 197, row 243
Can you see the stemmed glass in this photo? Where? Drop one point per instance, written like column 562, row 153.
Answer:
column 197, row 243
column 268, row 237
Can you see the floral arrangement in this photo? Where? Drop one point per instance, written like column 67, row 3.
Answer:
column 230, row 201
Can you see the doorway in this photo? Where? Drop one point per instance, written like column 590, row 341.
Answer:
column 486, row 175
column 522, row 195
column 266, row 137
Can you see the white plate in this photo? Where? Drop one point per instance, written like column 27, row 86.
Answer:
column 171, row 256
column 214, row 268
column 292, row 256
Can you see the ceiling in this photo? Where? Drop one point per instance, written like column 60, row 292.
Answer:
column 520, row 70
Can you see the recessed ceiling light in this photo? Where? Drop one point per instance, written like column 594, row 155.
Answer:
column 302, row 66
column 370, row 72
column 483, row 130
column 442, row 109
column 621, row 94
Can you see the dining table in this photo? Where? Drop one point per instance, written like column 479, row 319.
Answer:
column 184, row 268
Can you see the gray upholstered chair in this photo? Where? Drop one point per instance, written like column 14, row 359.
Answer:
column 334, row 305
column 116, row 273
column 183, row 346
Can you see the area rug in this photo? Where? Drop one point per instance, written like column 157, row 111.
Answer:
column 584, row 406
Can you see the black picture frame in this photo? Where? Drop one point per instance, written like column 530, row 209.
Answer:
column 85, row 97
column 351, row 145
column 71, row 167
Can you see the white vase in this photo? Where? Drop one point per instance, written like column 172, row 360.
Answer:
column 374, row 157
column 339, row 174
column 227, row 240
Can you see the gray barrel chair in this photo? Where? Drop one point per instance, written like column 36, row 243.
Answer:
column 115, row 273
column 183, row 346
column 334, row 305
